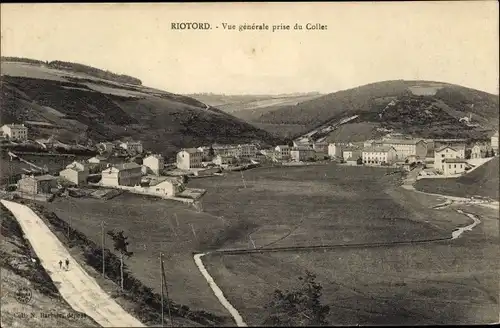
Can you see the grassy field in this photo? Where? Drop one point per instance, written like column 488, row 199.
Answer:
column 17, row 271
column 433, row 283
column 314, row 205
column 483, row 181
column 151, row 225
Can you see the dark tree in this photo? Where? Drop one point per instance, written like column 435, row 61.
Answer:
column 487, row 154
column 301, row 307
column 211, row 152
column 359, row 161
column 492, row 153
column 120, row 245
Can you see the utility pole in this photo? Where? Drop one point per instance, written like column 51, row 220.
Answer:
column 102, row 242
column 161, row 287
column 164, row 285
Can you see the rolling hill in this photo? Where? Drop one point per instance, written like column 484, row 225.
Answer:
column 250, row 107
column 75, row 102
column 422, row 108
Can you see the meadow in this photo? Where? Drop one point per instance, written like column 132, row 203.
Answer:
column 314, row 205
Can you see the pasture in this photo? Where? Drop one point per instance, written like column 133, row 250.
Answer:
column 313, row 205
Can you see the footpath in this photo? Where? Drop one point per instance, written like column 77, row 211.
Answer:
column 75, row 285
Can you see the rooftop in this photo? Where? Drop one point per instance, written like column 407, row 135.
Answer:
column 454, row 160
column 402, row 141
column 45, row 177
column 302, row 148
column 126, row 166
column 377, row 149
column 454, row 148
column 15, row 126
column 191, row 150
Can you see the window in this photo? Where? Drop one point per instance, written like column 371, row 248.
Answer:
column 455, row 166
column 442, row 155
column 460, row 165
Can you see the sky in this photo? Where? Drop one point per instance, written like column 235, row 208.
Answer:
column 454, row 42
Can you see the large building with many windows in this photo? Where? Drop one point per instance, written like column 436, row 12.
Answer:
column 379, row 155
column 15, row 131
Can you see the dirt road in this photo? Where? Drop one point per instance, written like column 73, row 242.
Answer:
column 79, row 289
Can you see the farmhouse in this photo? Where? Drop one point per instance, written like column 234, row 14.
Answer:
column 15, row 131
column 132, row 146
column 282, row 152
column 76, row 173
column 126, row 174
column 446, row 152
column 299, row 154
column 494, row 142
column 379, row 155
column 189, row 158
column 452, row 166
column 405, row 147
column 41, row 184
column 154, row 164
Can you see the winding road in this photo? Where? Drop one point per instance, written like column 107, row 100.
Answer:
column 407, row 184
column 76, row 286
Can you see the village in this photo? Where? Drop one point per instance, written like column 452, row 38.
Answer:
column 127, row 166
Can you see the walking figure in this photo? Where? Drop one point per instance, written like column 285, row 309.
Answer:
column 67, row 264
column 60, row 264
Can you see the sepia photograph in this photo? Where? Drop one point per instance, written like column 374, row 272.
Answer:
column 249, row 164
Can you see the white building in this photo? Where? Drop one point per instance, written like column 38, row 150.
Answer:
column 132, row 146
column 247, row 150
column 379, row 155
column 336, row 149
column 350, row 152
column 105, row 146
column 299, row 154
column 226, row 150
column 126, row 174
column 76, row 172
column 154, row 163
column 453, row 166
column 478, row 151
column 321, row 147
column 166, row 187
column 15, row 131
column 189, row 158
column 405, row 147
column 223, row 160
column 446, row 152
column 494, row 142
column 282, row 152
